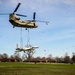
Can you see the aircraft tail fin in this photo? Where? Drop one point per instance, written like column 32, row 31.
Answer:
column 17, row 46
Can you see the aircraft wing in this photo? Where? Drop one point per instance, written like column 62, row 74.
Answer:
column 17, row 51
column 34, row 47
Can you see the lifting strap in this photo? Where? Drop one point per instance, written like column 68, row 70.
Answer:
column 28, row 38
column 21, row 40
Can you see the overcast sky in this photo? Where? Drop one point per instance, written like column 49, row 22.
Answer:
column 56, row 38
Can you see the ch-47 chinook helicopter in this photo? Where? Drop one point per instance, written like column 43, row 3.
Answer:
column 16, row 22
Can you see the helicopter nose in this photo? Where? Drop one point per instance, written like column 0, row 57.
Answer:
column 36, row 26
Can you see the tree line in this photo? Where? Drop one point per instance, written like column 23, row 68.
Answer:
column 28, row 57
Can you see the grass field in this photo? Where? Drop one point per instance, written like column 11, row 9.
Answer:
column 36, row 69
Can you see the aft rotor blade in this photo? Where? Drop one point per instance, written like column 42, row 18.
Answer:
column 17, row 7
column 34, row 15
column 21, row 15
column 42, row 21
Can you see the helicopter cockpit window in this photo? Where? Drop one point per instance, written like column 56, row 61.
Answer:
column 23, row 21
column 17, row 18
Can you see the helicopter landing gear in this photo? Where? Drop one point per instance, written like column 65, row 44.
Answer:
column 26, row 29
column 13, row 26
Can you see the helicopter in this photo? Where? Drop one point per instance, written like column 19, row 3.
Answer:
column 16, row 22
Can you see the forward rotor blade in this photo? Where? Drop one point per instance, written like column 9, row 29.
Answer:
column 17, row 7
column 21, row 15
column 34, row 15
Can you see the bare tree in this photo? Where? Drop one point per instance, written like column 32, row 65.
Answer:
column 17, row 56
column 59, row 59
column 73, row 57
column 24, row 57
column 67, row 58
column 12, row 56
column 29, row 54
column 4, row 57
column 50, row 58
column 0, row 56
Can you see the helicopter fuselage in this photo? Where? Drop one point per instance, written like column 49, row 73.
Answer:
column 16, row 22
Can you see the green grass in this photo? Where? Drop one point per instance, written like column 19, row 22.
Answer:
column 36, row 69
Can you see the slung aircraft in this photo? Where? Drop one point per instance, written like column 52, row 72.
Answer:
column 26, row 48
column 16, row 22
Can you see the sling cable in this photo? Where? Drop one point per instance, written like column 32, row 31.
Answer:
column 28, row 39
column 21, row 39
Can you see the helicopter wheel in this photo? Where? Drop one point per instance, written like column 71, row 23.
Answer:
column 13, row 26
column 26, row 29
